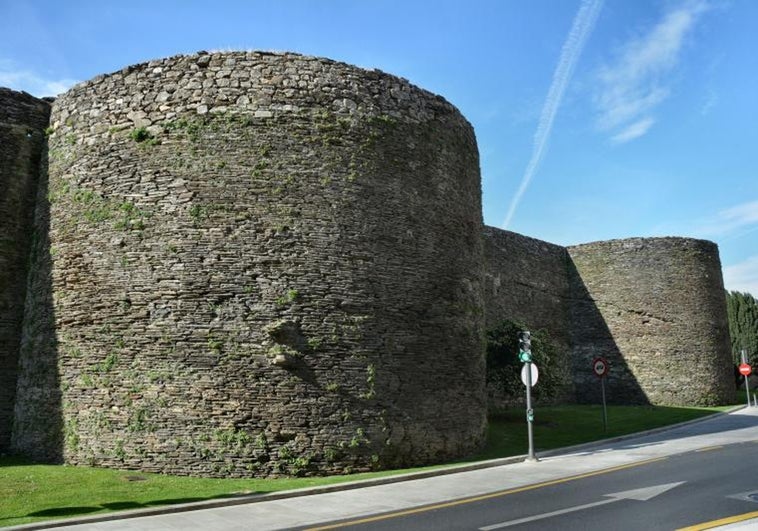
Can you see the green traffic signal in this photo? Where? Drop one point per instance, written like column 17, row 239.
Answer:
column 525, row 357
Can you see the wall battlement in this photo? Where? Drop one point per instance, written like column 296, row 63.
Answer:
column 255, row 264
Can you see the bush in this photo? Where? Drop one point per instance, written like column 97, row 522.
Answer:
column 504, row 367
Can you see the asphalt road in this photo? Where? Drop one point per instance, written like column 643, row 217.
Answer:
column 683, row 490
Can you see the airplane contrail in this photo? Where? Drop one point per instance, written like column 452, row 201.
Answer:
column 584, row 22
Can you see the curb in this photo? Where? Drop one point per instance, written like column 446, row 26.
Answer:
column 350, row 485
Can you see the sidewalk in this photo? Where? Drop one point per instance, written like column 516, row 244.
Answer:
column 307, row 507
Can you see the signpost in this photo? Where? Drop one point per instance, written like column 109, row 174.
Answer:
column 745, row 370
column 525, row 356
column 600, row 368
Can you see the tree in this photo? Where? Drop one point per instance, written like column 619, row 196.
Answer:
column 504, row 367
column 742, row 311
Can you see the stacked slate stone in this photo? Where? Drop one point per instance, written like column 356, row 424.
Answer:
column 654, row 308
column 259, row 264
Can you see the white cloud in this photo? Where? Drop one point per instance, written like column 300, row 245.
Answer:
column 710, row 102
column 630, row 90
column 581, row 28
column 742, row 276
column 633, row 131
column 731, row 219
column 19, row 79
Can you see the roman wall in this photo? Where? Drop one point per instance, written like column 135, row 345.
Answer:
column 258, row 264
column 526, row 281
column 655, row 308
column 23, row 120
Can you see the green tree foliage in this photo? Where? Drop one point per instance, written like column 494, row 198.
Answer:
column 742, row 310
column 504, row 367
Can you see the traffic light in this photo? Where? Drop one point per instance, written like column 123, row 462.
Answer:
column 525, row 346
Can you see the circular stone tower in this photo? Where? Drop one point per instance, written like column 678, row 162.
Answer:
column 656, row 309
column 262, row 264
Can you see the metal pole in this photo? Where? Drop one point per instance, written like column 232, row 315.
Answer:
column 747, row 387
column 747, row 390
column 529, row 412
column 605, row 410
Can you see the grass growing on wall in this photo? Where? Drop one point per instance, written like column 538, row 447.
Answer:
column 32, row 492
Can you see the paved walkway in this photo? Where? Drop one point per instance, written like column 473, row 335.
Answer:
column 311, row 510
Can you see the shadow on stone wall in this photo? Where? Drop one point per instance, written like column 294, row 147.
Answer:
column 591, row 337
column 20, row 152
column 38, row 430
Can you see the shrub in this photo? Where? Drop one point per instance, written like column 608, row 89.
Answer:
column 504, row 367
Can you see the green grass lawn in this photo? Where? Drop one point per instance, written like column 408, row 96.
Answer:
column 33, row 492
column 556, row 427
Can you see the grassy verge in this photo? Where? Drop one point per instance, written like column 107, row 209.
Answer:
column 556, row 427
column 33, row 492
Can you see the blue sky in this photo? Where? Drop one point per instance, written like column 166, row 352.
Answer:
column 595, row 119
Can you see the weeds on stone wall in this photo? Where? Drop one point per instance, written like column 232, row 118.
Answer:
column 95, row 209
column 144, row 137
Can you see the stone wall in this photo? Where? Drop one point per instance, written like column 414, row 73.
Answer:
column 655, row 307
column 526, row 281
column 259, row 264
column 23, row 120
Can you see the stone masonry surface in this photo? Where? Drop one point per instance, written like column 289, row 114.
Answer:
column 257, row 264
column 526, row 282
column 23, row 119
column 654, row 308
column 261, row 264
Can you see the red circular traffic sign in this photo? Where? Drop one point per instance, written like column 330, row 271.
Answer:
column 600, row 367
column 745, row 369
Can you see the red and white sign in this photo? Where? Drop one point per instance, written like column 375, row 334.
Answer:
column 600, row 367
column 745, row 369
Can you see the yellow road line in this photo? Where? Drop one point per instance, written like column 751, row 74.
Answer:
column 489, row 496
column 723, row 521
column 709, row 448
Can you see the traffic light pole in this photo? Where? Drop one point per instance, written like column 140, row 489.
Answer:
column 525, row 356
column 529, row 412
